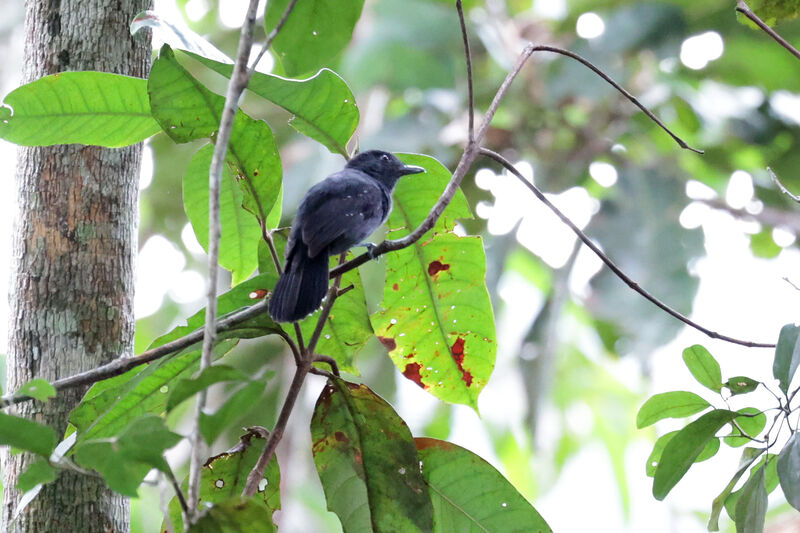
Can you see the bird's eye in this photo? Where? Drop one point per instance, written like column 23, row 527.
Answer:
column 384, row 157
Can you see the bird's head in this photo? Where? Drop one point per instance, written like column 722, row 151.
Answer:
column 383, row 166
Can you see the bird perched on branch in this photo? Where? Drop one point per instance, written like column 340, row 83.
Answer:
column 335, row 215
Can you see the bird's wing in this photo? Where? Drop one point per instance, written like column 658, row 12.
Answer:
column 341, row 211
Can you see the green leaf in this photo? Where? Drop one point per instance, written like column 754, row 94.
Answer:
column 748, row 456
column 741, row 385
column 323, row 106
column 37, row 473
column 470, row 495
column 27, row 435
column 240, row 400
column 710, row 450
column 436, row 318
column 682, row 451
column 787, row 355
column 211, row 375
column 38, row 388
column 789, row 470
column 703, row 367
column 770, row 461
column 238, row 244
column 107, row 414
column 314, row 34
column 236, row 516
column 367, row 462
column 123, row 461
column 771, row 11
column 751, row 425
column 674, row 404
column 348, row 327
column 95, row 108
column 179, row 37
column 751, row 509
column 223, row 477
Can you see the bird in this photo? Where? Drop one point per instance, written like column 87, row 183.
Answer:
column 335, row 214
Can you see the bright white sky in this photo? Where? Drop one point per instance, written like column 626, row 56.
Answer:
column 738, row 295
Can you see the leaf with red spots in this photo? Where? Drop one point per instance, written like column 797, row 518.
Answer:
column 436, row 318
column 224, row 475
column 367, row 462
column 469, row 494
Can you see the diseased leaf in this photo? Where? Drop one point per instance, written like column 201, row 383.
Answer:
column 470, row 495
column 368, row 463
column 741, row 385
column 223, row 477
column 703, row 367
column 787, row 355
column 684, row 448
column 323, row 106
column 751, row 509
column 789, row 470
column 27, row 435
column 94, row 108
column 748, row 456
column 314, row 34
column 674, row 404
column 436, row 318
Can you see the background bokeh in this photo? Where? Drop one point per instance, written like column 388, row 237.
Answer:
column 711, row 235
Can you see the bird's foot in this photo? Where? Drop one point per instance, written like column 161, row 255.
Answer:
column 370, row 246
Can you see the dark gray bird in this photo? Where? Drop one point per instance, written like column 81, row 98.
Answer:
column 335, row 215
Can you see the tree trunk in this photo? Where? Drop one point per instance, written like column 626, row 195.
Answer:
column 74, row 247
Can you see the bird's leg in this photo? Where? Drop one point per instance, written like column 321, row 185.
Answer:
column 370, row 246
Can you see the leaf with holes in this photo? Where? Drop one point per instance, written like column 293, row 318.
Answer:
column 469, row 494
column 684, row 448
column 367, row 462
column 703, row 367
column 94, row 108
column 314, row 34
column 224, row 476
column 436, row 318
column 323, row 106
column 741, row 385
column 674, row 404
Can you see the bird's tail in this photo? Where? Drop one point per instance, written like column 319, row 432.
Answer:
column 301, row 287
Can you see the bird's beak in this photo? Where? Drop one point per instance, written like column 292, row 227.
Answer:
column 411, row 169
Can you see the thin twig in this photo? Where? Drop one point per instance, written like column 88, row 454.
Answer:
column 185, row 514
column 123, row 364
column 328, row 360
column 745, row 10
column 780, row 185
column 468, row 59
column 471, row 152
column 272, row 35
column 609, row 263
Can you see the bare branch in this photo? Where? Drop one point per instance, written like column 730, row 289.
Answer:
column 123, row 364
column 272, row 35
column 783, row 189
column 471, row 152
column 610, row 264
column 468, row 59
column 745, row 10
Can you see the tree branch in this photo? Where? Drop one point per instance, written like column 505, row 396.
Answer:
column 610, row 264
column 123, row 364
column 745, row 10
column 472, row 149
column 780, row 185
column 468, row 59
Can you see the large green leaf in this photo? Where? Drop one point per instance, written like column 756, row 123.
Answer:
column 368, row 463
column 238, row 244
column 186, row 388
column 124, row 460
column 703, row 367
column 436, row 318
column 751, row 508
column 314, row 34
column 323, row 106
column 789, row 470
column 749, row 455
column 470, row 496
column 674, row 404
column 240, row 400
column 97, row 108
column 710, row 450
column 223, row 477
column 348, row 328
column 787, row 355
column 26, row 435
column 684, row 448
column 770, row 463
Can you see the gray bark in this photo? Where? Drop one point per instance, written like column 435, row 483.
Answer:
column 74, row 247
